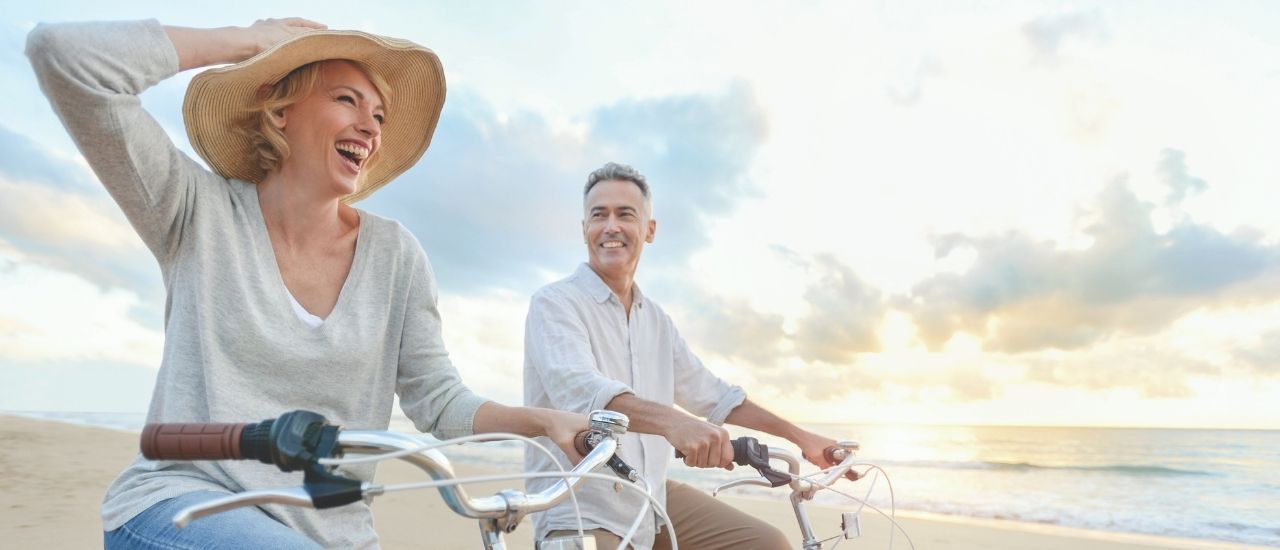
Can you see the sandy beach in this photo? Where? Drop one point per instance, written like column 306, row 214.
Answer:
column 52, row 477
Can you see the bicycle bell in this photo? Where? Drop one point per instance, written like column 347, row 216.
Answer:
column 609, row 421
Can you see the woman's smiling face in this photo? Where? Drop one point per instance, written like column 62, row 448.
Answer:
column 335, row 131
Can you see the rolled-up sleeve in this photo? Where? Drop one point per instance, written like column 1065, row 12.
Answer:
column 558, row 348
column 697, row 390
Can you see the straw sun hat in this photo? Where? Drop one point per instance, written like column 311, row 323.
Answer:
column 218, row 100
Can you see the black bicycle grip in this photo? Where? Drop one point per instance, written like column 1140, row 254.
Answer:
column 740, row 451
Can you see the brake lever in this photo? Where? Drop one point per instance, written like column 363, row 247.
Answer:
column 292, row 496
column 747, row 451
column 740, row 482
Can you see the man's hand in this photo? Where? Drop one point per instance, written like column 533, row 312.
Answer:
column 703, row 444
column 813, row 448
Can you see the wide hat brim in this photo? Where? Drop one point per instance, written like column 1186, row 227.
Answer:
column 219, row 101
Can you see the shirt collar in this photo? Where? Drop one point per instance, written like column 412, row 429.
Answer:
column 591, row 282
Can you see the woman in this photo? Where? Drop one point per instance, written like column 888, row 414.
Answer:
column 280, row 294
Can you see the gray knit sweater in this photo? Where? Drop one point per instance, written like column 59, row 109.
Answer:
column 234, row 349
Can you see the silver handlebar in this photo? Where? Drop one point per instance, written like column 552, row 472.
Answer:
column 804, row 488
column 292, row 496
column 507, row 506
column 435, row 464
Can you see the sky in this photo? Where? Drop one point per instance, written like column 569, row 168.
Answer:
column 1055, row 213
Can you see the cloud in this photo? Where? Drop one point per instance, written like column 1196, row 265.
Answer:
column 1023, row 295
column 814, row 382
column 1264, row 356
column 493, row 199
column 696, row 150
column 970, row 384
column 57, row 215
column 819, row 359
column 1143, row 365
column 1172, row 169
column 844, row 314
column 732, row 329
column 52, row 315
column 485, row 338
column 43, row 214
column 1047, row 34
column 819, row 381
column 814, row 354
column 497, row 199
column 906, row 91
column 23, row 160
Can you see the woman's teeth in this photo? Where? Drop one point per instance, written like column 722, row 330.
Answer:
column 356, row 153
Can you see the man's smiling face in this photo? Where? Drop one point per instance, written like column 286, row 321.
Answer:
column 616, row 227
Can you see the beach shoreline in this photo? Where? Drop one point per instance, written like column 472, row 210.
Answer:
column 53, row 475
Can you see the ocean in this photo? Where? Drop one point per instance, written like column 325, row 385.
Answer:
column 1221, row 485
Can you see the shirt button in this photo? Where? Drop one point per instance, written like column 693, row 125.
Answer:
column 617, row 486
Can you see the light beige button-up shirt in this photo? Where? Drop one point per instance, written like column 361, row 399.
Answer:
column 579, row 353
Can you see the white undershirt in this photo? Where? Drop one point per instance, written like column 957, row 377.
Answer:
column 306, row 316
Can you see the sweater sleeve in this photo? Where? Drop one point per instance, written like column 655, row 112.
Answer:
column 92, row 74
column 431, row 392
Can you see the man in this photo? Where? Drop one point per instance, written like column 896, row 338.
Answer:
column 593, row 341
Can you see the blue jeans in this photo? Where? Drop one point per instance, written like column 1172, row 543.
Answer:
column 239, row 528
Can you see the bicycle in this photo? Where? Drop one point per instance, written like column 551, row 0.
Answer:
column 305, row 441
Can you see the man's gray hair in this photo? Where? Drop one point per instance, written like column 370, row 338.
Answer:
column 621, row 172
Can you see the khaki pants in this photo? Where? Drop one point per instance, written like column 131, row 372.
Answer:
column 702, row 523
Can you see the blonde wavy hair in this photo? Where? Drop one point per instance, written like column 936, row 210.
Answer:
column 268, row 140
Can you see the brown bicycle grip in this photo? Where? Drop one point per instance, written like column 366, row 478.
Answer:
column 580, row 442
column 196, row 441
column 830, row 454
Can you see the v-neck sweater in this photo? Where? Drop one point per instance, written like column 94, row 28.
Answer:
column 234, row 351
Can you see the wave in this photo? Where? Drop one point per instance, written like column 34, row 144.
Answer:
column 1124, row 469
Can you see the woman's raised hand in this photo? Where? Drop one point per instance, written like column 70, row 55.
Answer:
column 266, row 32
column 203, row 47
